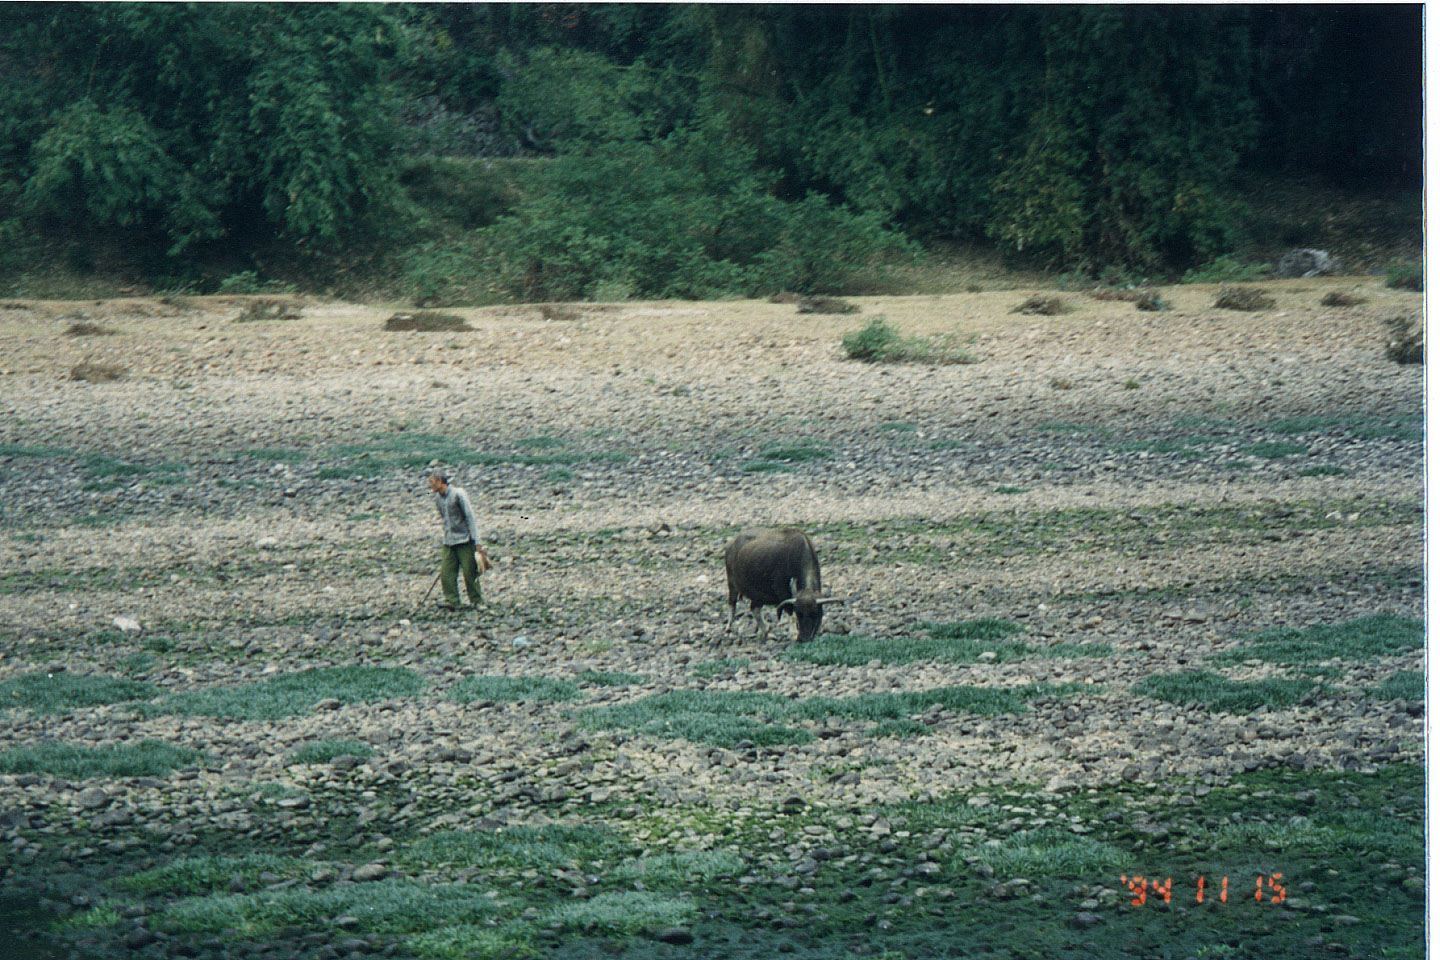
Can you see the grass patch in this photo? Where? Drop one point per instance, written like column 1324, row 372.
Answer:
column 391, row 906
column 98, row 466
column 1324, row 470
column 427, row 321
column 1382, row 635
column 511, row 689
column 1006, row 489
column 291, row 694
column 32, row 452
column 673, row 869
column 879, row 342
column 1405, row 685
column 149, row 758
column 1050, row 852
column 598, row 678
column 194, row 876
column 1363, row 428
column 518, row 847
column 1223, row 695
column 540, row 442
column 857, row 651
column 325, row 751
column 623, row 912
column 713, row 668
column 42, row 692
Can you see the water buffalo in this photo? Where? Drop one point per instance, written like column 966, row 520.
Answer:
column 776, row 568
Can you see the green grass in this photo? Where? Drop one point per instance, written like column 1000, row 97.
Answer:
column 1051, row 852
column 766, row 466
column 391, row 906
column 149, row 758
column 623, row 912
column 1382, row 635
column 97, row 466
column 1405, row 685
column 879, row 342
column 22, row 450
column 43, row 692
column 713, row 668
column 1223, row 695
column 1006, row 488
column 517, row 847
column 473, row 689
column 543, row 441
column 1405, row 427
column 964, row 642
column 1324, row 470
column 596, row 678
column 193, row 876
column 726, row 718
column 672, row 869
column 324, row 751
column 291, row 694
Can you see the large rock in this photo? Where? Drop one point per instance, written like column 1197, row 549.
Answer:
column 1307, row 262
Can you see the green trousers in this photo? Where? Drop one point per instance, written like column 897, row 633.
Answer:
column 459, row 558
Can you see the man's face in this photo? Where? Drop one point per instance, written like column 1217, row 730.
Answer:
column 437, row 484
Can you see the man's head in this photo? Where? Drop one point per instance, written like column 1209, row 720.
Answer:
column 439, row 482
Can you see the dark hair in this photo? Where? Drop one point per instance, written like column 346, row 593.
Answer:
column 443, row 478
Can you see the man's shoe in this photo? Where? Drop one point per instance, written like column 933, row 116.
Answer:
column 445, row 605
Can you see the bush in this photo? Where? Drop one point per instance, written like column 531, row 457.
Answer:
column 681, row 218
column 1042, row 306
column 878, row 342
column 1227, row 269
column 427, row 322
column 1406, row 342
column 1337, row 298
column 1405, row 276
column 1243, row 298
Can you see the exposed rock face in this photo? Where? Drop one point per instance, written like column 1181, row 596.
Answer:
column 1307, row 262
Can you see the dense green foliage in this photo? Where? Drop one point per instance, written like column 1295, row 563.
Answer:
column 188, row 124
column 677, row 150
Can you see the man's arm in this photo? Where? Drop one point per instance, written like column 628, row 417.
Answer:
column 469, row 513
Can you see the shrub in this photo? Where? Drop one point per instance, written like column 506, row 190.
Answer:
column 697, row 224
column 879, row 342
column 148, row 758
column 428, row 322
column 1405, row 276
column 1042, row 306
column 85, row 328
column 98, row 372
column 1243, row 298
column 1227, row 269
column 1406, row 341
column 825, row 305
column 1336, row 298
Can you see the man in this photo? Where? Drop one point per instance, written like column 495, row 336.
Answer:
column 461, row 540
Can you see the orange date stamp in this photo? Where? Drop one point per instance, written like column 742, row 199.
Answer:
column 1267, row 889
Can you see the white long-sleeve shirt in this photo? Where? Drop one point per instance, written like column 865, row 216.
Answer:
column 457, row 516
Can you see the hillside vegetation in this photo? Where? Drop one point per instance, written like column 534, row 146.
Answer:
column 474, row 154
